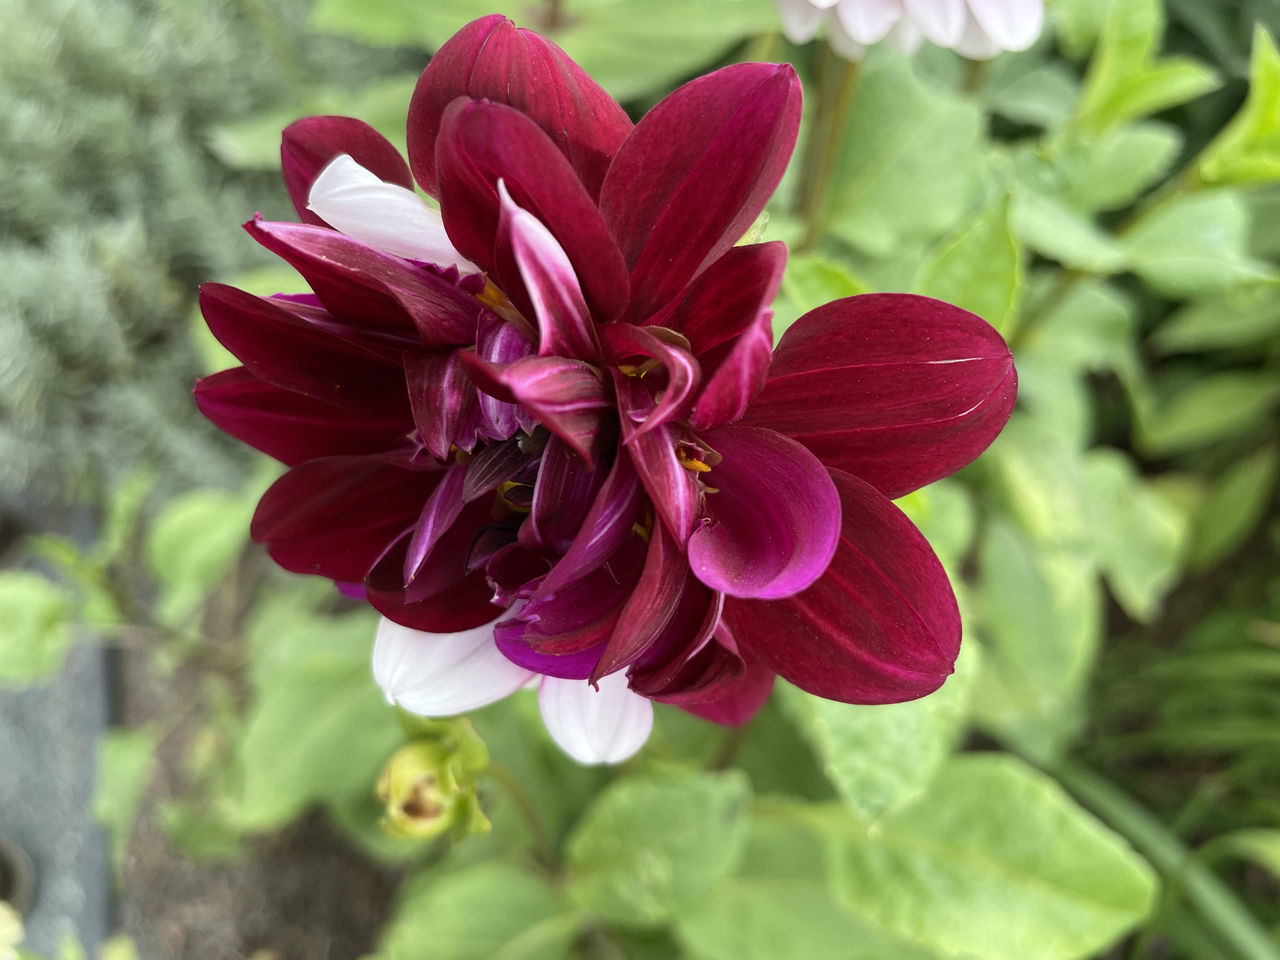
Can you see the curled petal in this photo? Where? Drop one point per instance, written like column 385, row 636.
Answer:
column 685, row 663
column 696, row 172
column 727, row 298
column 896, row 389
column 562, row 497
column 880, row 626
column 442, row 398
column 308, row 145
column 289, row 426
column 368, row 287
column 566, row 396
column 442, row 508
column 607, row 526
column 490, row 59
column 607, row 724
column 627, row 342
column 1010, row 24
column 567, row 666
column 564, row 320
column 741, row 698
column 384, row 215
column 442, row 674
column 738, row 374
column 774, row 521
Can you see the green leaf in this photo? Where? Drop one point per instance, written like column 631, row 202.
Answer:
column 1208, row 410
column 881, row 758
column 1041, row 97
column 1126, row 80
column 118, row 947
column 1090, row 329
column 979, row 267
column 1195, row 244
column 35, row 629
column 1233, row 509
column 490, row 911
column 1111, row 171
column 1248, row 148
column 1053, row 229
column 945, row 513
column 125, row 761
column 1078, row 24
column 1260, row 846
column 1139, row 536
column 811, row 280
column 998, row 862
column 1243, row 318
column 649, row 845
column 911, row 159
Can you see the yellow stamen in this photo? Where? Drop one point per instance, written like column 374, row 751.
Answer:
column 689, row 463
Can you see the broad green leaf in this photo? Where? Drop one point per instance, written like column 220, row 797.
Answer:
column 649, row 845
column 1039, row 614
column 125, row 760
column 1207, row 410
column 979, row 267
column 1041, row 97
column 811, row 280
column 1112, row 170
column 192, row 544
column 120, row 523
column 1195, row 244
column 1090, row 329
column 911, row 159
column 1139, row 536
column 1078, row 24
column 1050, row 227
column 35, row 628
column 198, row 835
column 490, row 911
column 1248, row 148
column 881, row 758
column 1242, row 318
column 1233, row 508
column 997, row 862
column 780, row 905
column 1260, row 846
column 1127, row 79
column 945, row 513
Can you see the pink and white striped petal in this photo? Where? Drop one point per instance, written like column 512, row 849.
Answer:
column 442, row 674
column 593, row 726
column 384, row 215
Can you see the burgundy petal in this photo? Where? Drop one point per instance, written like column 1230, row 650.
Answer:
column 625, row 342
column 307, row 146
column 287, row 425
column 738, row 700
column 899, row 390
column 738, row 371
column 567, row 396
column 372, row 288
column 482, row 143
column 696, row 172
column 881, row 626
column 286, row 350
column 607, row 526
column 727, row 298
column 683, row 663
column 562, row 497
column 492, row 467
column 335, row 516
column 671, row 486
column 774, row 522
column 569, row 666
column 442, row 508
column 443, row 400
column 489, row 59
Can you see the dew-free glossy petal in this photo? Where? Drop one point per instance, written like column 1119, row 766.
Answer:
column 593, row 726
column 308, row 145
column 1011, row 24
column 880, row 626
column 941, row 21
column 867, row 21
column 801, row 18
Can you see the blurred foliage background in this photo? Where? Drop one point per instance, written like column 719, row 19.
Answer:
column 1101, row 778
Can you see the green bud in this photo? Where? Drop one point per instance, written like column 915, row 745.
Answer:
column 428, row 787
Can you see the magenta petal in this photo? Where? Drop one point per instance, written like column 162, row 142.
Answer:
column 899, row 390
column 650, row 607
column 482, row 143
column 500, row 343
column 442, row 508
column 567, row 396
column 696, row 172
column 307, row 146
column 607, row 526
column 739, row 371
column 881, row 626
column 627, row 343
column 492, row 467
column 366, row 286
column 289, row 426
column 773, row 524
column 727, row 298
column 568, row 666
column 740, row 699
column 335, row 516
column 286, row 350
column 562, row 497
column 489, row 59
column 442, row 398
column 670, row 485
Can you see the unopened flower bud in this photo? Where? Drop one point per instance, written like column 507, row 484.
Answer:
column 428, row 786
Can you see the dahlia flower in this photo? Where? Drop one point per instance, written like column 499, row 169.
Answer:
column 545, row 428
column 978, row 29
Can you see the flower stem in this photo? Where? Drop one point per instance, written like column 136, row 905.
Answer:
column 528, row 810
column 1211, row 900
column 822, row 145
column 730, row 744
column 555, row 14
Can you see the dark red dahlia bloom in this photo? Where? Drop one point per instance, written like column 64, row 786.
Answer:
column 546, row 427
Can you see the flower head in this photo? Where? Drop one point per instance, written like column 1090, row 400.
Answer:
column 547, row 430
column 978, row 29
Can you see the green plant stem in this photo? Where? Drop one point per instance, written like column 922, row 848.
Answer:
column 1213, row 902
column 975, row 73
column 730, row 744
column 528, row 810
column 555, row 14
column 822, row 145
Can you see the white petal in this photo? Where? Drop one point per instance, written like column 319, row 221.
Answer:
column 843, row 44
column 867, row 21
column 384, row 215
column 905, row 37
column 942, row 21
column 801, row 18
column 605, row 726
column 442, row 674
column 974, row 42
column 1011, row 24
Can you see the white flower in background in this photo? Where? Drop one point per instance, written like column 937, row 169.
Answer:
column 978, row 29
